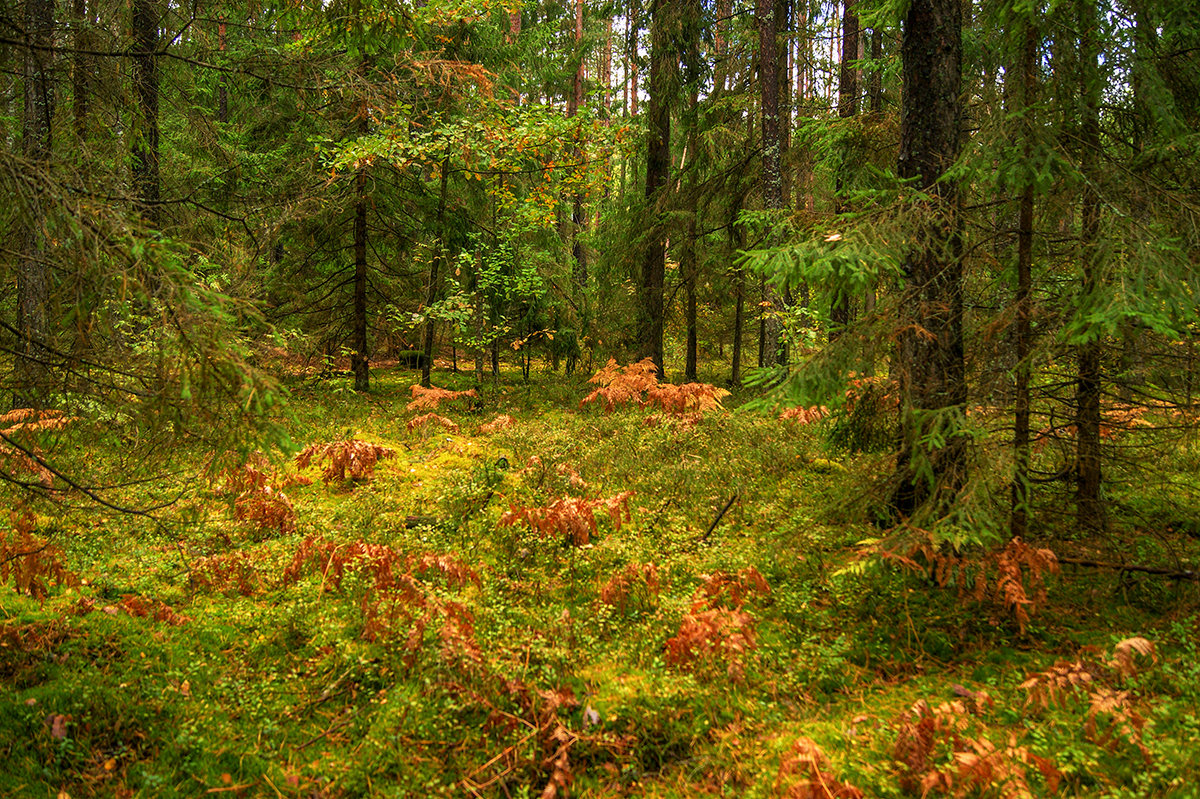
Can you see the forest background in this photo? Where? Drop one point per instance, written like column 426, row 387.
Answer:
column 955, row 242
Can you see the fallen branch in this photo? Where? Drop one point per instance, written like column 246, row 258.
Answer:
column 720, row 516
column 1171, row 574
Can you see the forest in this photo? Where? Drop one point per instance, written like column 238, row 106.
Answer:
column 549, row 398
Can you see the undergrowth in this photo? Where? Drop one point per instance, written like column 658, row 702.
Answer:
column 502, row 593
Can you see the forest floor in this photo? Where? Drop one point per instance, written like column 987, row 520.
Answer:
column 548, row 601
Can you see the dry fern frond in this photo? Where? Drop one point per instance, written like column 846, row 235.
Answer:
column 25, row 456
column 1019, row 583
column 726, row 589
column 687, row 398
column 268, row 509
column 1123, row 720
column 572, row 518
column 1123, row 660
column 424, row 420
column 350, row 459
column 806, row 761
column 622, row 386
column 257, row 501
column 708, row 636
column 30, row 561
column 398, row 599
column 428, row 399
column 637, row 581
column 802, row 415
column 501, row 422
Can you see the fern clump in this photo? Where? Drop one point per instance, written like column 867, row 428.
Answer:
column 637, row 384
column 350, row 459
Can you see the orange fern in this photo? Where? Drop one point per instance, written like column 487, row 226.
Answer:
column 428, row 399
column 426, row 419
column 571, row 518
column 349, row 459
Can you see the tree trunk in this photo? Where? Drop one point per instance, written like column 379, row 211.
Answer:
column 574, row 101
column 145, row 150
column 739, row 312
column 81, row 66
column 663, row 60
column 773, row 348
column 930, row 367
column 1024, row 334
column 359, row 364
column 1089, row 507
column 222, row 93
column 31, row 366
column 839, row 313
column 434, row 267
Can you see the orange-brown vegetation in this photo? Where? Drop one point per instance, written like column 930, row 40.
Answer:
column 348, row 459
column 571, row 518
column 30, row 561
column 429, row 399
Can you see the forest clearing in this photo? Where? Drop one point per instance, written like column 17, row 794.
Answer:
column 563, row 398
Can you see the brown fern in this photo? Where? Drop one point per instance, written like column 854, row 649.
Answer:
column 29, row 561
column 399, row 599
column 1112, row 715
column 637, row 583
column 571, row 518
column 622, row 385
column 256, row 500
column 501, row 422
column 945, row 749
column 684, row 399
column 801, row 415
column 24, row 455
column 429, row 399
column 708, row 637
column 1016, row 573
column 348, row 459
column 801, row 775
column 426, row 419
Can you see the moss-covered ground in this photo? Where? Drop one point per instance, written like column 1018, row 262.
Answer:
column 407, row 638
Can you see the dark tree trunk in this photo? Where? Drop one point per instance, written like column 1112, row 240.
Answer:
column 1024, row 334
column 875, row 82
column 31, row 366
column 839, row 313
column 359, row 363
column 739, row 312
column 222, row 92
column 574, row 101
column 81, row 65
column 772, row 349
column 146, row 181
column 663, row 60
column 1090, row 507
column 930, row 367
column 434, row 267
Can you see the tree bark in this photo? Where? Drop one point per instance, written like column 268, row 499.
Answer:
column 840, row 313
column 1089, row 506
column 81, row 65
column 663, row 61
column 1019, row 523
column 930, row 368
column 773, row 348
column 222, row 92
column 359, row 363
column 578, row 217
column 31, row 367
column 434, row 267
column 145, row 150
